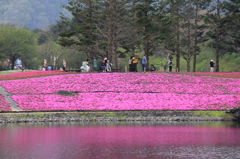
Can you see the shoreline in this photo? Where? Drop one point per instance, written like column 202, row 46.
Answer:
column 115, row 116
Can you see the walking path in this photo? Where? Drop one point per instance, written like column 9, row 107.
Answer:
column 9, row 100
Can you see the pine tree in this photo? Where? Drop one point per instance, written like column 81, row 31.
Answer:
column 219, row 30
column 112, row 27
column 80, row 29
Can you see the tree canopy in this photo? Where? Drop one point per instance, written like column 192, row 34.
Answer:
column 17, row 43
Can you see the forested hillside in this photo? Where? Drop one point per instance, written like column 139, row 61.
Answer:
column 31, row 14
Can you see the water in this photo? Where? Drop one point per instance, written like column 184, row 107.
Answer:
column 213, row 140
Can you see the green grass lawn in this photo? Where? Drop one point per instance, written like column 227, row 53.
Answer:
column 13, row 71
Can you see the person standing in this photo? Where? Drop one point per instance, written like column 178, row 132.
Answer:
column 212, row 64
column 130, row 64
column 134, row 63
column 108, row 66
column 84, row 64
column 82, row 68
column 49, row 68
column 144, row 63
column 170, row 65
column 103, row 66
column 87, row 68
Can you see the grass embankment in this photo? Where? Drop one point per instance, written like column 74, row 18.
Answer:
column 150, row 115
column 212, row 114
column 7, row 72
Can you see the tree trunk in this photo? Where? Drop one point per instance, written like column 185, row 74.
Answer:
column 189, row 40
column 91, row 59
column 114, row 56
column 178, row 46
column 13, row 62
column 195, row 39
column 146, row 52
column 218, row 37
column 217, row 53
column 188, row 64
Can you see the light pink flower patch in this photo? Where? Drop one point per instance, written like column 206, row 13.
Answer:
column 4, row 106
column 127, row 101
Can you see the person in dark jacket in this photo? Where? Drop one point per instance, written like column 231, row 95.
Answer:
column 212, row 64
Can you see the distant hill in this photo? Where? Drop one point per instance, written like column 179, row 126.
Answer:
column 31, row 14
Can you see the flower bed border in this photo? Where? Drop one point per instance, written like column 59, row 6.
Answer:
column 114, row 116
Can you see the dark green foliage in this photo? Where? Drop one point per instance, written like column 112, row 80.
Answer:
column 17, row 43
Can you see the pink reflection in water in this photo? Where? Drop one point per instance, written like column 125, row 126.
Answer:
column 111, row 142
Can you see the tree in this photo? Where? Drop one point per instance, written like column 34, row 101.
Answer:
column 173, row 41
column 80, row 30
column 145, row 15
column 52, row 52
column 111, row 25
column 199, row 28
column 192, row 32
column 17, row 43
column 232, row 10
column 133, row 38
column 219, row 30
column 153, row 23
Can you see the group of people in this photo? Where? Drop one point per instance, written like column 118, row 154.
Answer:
column 133, row 61
column 85, row 66
column 106, row 65
column 47, row 68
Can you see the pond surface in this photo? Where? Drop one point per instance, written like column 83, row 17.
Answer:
column 213, row 140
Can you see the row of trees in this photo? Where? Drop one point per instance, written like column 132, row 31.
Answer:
column 181, row 29
column 175, row 28
column 16, row 43
column 31, row 46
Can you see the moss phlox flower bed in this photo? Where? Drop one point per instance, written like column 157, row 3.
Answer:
column 125, row 91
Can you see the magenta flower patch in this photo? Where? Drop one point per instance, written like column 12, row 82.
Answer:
column 127, row 101
column 125, row 91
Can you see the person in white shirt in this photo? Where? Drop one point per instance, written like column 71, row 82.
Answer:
column 82, row 68
column 108, row 66
column 87, row 68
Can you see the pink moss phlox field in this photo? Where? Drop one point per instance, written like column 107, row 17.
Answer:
column 125, row 91
column 216, row 74
column 31, row 74
column 125, row 83
column 127, row 101
column 4, row 106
